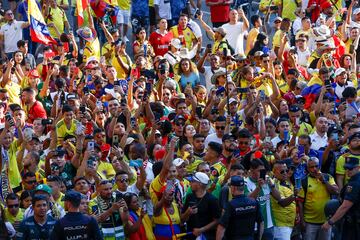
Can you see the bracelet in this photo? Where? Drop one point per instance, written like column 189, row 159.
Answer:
column 331, row 223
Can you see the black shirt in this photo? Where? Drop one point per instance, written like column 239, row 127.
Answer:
column 240, row 216
column 208, row 210
column 75, row 225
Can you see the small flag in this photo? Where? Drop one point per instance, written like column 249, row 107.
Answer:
column 81, row 5
column 39, row 31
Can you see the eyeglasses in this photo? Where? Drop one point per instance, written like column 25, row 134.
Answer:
column 13, row 206
column 220, row 127
column 284, row 171
column 122, row 180
column 31, row 182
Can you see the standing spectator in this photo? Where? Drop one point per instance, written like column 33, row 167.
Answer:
column 241, row 214
column 219, row 11
column 184, row 33
column 10, row 33
column 40, row 225
column 163, row 10
column 139, row 15
column 319, row 137
column 29, row 58
column 252, row 36
column 75, row 224
column 123, row 18
column 315, row 192
column 56, row 19
column 13, row 213
column 235, row 30
column 161, row 38
column 33, row 108
column 201, row 209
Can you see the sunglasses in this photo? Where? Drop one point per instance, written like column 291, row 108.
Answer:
column 13, row 206
column 122, row 180
column 180, row 124
column 284, row 171
column 31, row 182
column 220, row 127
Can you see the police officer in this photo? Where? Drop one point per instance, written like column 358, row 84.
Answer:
column 240, row 215
column 350, row 207
column 75, row 225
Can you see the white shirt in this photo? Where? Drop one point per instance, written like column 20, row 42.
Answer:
column 172, row 58
column 317, row 141
column 208, row 74
column 303, row 57
column 296, row 25
column 212, row 138
column 164, row 8
column 12, row 34
column 195, row 28
column 339, row 89
column 235, row 36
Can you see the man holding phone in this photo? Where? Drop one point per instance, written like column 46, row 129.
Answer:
column 259, row 186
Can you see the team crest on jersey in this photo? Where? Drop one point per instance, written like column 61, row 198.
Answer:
column 348, row 189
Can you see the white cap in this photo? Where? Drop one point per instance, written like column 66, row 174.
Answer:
column 339, row 71
column 356, row 11
column 201, row 178
column 178, row 161
column 176, row 43
column 129, row 140
column 90, row 59
column 231, row 100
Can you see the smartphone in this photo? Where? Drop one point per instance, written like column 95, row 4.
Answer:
column 145, row 50
column 86, row 90
column 209, row 46
column 82, row 109
column 327, row 83
column 115, row 140
column 9, row 118
column 116, row 83
column 144, row 205
column 286, row 135
column 148, row 87
column 263, row 174
column 197, row 13
column 90, row 146
column 274, row 8
column 335, row 136
column 297, row 183
column 50, row 54
column 262, row 95
column 219, row 91
column 242, row 90
column 99, row 104
column 79, row 128
column 132, row 122
column 198, row 111
column 236, row 153
column 46, row 121
column 301, row 150
column 90, row 163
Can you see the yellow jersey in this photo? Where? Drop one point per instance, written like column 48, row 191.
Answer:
column 283, row 216
column 186, row 36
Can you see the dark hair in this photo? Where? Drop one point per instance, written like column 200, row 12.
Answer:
column 217, row 147
column 121, row 172
column 271, row 121
column 38, row 197
column 128, row 196
column 349, row 92
column 237, row 166
column 346, row 121
column 306, row 137
column 354, row 126
column 254, row 19
column 67, row 108
column 3, row 228
column 255, row 163
column 323, row 70
column 54, row 178
column 282, row 120
column 22, row 63
column 12, row 196
column 21, row 43
column 28, row 174
column 220, row 119
column 198, row 135
column 156, row 168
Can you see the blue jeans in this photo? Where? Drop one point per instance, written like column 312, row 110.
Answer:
column 268, row 234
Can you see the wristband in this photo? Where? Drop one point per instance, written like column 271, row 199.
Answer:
column 331, row 223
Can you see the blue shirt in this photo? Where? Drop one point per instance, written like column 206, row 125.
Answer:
column 176, row 7
column 140, row 8
column 193, row 78
column 31, row 230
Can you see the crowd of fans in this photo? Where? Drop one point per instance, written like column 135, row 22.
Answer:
column 242, row 126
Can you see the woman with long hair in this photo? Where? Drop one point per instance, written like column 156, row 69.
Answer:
column 261, row 44
column 142, row 46
column 139, row 224
column 188, row 75
column 280, row 77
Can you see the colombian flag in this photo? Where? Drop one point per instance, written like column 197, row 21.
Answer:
column 38, row 28
column 311, row 92
column 81, row 5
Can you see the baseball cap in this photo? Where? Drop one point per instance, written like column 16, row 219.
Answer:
column 278, row 19
column 351, row 162
column 237, row 181
column 339, row 71
column 44, row 188
column 294, row 108
column 356, row 11
column 231, row 100
column 73, row 197
column 201, row 178
column 220, row 30
column 228, row 136
column 179, row 117
column 176, row 43
column 178, row 162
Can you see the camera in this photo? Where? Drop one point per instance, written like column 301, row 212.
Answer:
column 46, row 121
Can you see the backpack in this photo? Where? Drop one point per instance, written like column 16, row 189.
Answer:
column 232, row 50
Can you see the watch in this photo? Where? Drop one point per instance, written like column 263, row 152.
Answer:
column 331, row 223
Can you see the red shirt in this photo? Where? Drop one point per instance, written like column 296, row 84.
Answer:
column 160, row 42
column 219, row 13
column 36, row 111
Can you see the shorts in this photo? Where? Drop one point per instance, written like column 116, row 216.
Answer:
column 139, row 22
column 152, row 16
column 123, row 17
